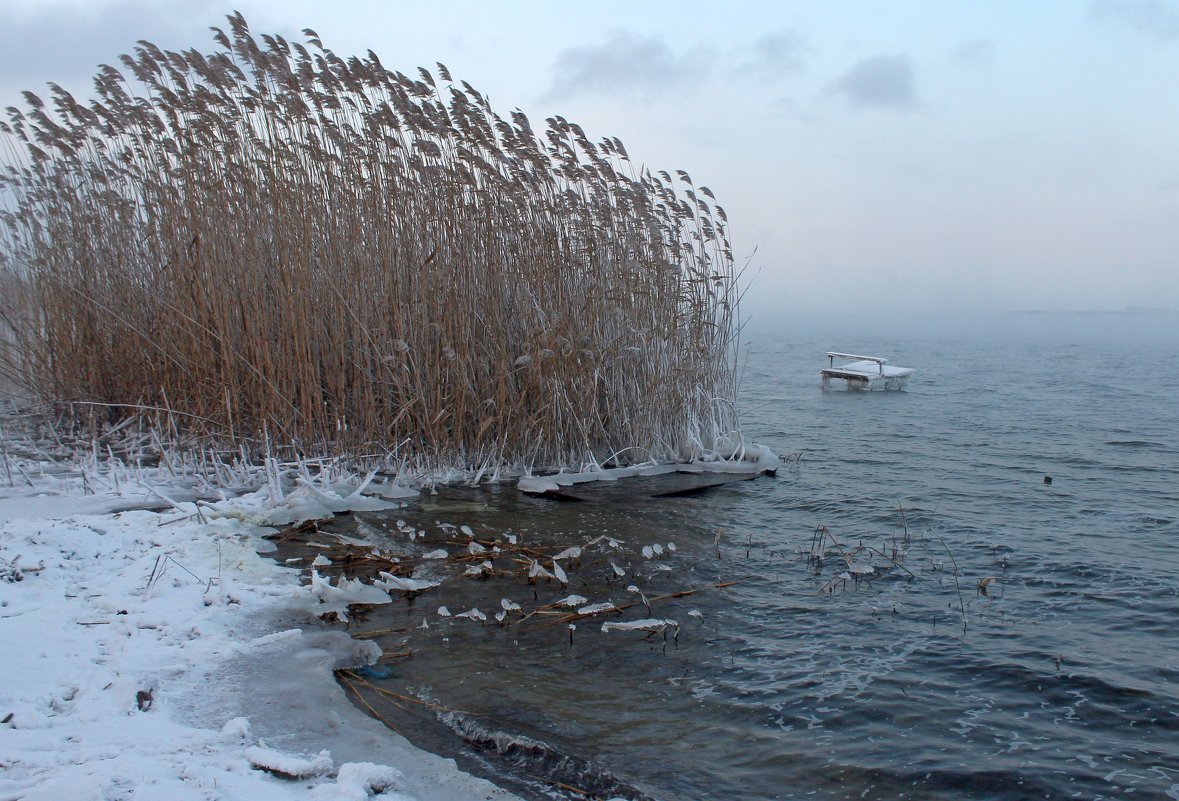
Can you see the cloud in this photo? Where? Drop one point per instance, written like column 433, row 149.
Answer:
column 973, row 53
column 1152, row 17
column 778, row 52
column 626, row 63
column 65, row 42
column 879, row 82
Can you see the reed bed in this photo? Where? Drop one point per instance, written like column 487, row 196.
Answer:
column 276, row 244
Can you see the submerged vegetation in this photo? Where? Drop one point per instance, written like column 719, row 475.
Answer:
column 273, row 243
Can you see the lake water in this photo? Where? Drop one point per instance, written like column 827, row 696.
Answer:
column 880, row 669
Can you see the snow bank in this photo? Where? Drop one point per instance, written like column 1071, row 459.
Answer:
column 155, row 655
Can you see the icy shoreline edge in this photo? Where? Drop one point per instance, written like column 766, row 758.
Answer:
column 156, row 650
column 156, row 654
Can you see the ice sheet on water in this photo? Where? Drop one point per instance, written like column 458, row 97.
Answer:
column 731, row 456
column 311, row 502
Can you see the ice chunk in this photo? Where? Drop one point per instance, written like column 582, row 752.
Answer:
column 649, row 624
column 478, row 571
column 535, row 570
column 392, row 582
column 238, row 728
column 346, row 591
column 593, row 609
column 289, row 766
column 360, row 780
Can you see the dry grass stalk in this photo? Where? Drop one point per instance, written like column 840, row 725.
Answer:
column 283, row 245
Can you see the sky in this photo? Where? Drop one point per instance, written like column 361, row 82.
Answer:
column 911, row 157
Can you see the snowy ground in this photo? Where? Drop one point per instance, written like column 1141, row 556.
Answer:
column 156, row 655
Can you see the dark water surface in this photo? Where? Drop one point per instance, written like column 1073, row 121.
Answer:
column 900, row 680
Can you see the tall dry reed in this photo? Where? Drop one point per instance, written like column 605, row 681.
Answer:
column 271, row 238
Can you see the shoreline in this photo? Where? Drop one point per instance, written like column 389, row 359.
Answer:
column 147, row 650
column 169, row 612
column 521, row 760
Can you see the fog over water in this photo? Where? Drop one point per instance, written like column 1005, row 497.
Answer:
column 837, row 323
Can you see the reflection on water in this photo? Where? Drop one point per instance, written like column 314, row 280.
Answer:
column 881, row 669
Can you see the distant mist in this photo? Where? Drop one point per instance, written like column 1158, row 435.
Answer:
column 1150, row 328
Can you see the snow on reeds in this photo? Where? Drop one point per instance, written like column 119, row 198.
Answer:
column 280, row 245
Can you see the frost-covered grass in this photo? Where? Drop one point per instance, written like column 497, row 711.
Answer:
column 155, row 655
column 275, row 246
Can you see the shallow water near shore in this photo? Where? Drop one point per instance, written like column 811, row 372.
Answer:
column 858, row 660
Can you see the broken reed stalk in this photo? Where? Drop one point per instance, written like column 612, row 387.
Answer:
column 342, row 676
column 953, row 561
column 893, row 559
column 352, row 677
column 957, row 586
column 273, row 238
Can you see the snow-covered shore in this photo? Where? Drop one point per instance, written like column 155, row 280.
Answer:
column 155, row 655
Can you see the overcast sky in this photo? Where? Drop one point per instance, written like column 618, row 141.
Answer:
column 915, row 156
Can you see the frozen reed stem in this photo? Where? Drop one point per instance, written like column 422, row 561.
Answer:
column 273, row 237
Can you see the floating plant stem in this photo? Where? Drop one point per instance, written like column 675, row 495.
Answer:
column 957, row 587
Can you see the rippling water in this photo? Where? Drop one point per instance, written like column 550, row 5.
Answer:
column 1060, row 680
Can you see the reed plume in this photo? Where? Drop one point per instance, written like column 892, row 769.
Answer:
column 273, row 238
